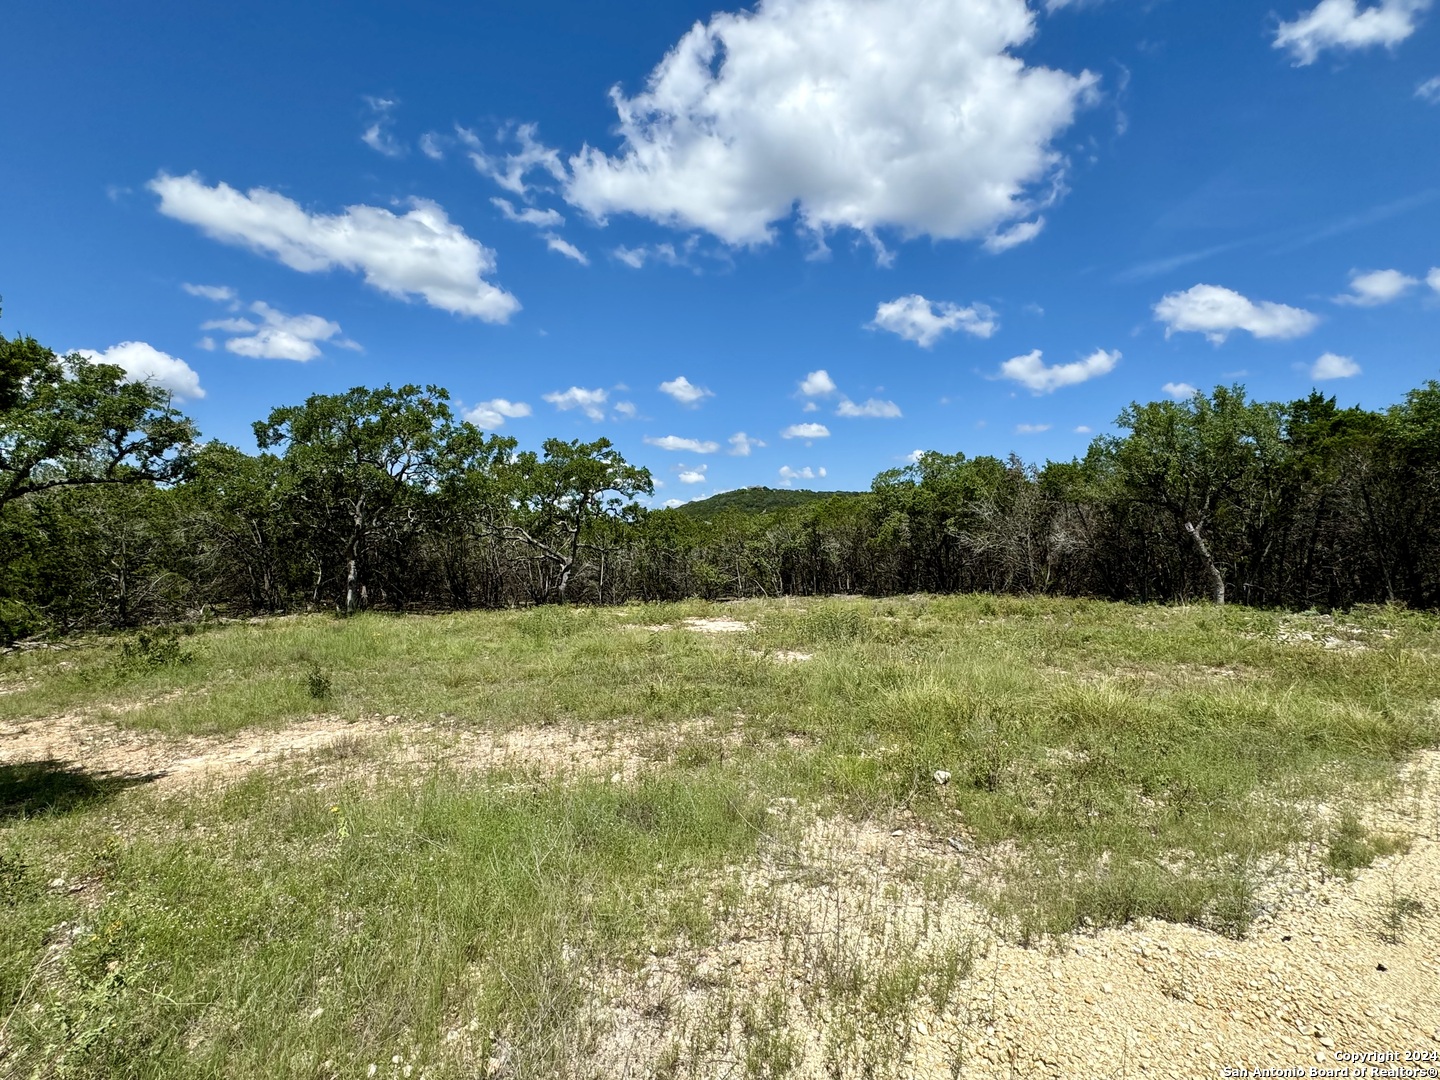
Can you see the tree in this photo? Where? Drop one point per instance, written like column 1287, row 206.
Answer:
column 551, row 504
column 361, row 461
column 1207, row 462
column 65, row 421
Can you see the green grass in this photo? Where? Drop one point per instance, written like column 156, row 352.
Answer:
column 1140, row 761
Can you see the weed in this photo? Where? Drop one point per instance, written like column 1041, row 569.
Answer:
column 1353, row 847
column 149, row 652
column 319, row 684
column 1399, row 909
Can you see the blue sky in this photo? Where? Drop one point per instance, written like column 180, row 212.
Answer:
column 748, row 244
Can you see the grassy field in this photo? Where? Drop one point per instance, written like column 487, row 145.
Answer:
column 396, row 904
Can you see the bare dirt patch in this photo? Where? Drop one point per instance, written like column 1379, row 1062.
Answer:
column 717, row 626
column 103, row 749
column 823, row 925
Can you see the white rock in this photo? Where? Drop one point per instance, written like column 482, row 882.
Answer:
column 942, row 776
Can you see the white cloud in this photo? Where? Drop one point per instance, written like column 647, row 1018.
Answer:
column 207, row 343
column 625, row 410
column 873, row 408
column 631, row 257
column 1433, row 278
column 420, row 253
column 1215, row 311
column 510, row 170
column 810, row 406
column 564, row 247
column 671, row 504
column 1031, row 429
column 914, row 456
column 741, row 444
column 695, row 475
column 378, row 136
column 1376, row 287
column 806, row 431
column 1083, row 429
column 221, row 294
column 493, row 413
column 1333, row 366
column 818, row 384
column 1343, row 24
column 145, row 363
column 922, row 321
column 675, row 442
column 529, row 215
column 432, row 146
column 591, row 402
column 684, row 391
column 1030, row 371
column 1181, row 390
column 278, row 336
column 863, row 114
column 1017, row 234
column 1429, row 91
column 790, row 475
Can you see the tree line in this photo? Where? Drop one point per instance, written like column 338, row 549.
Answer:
column 113, row 513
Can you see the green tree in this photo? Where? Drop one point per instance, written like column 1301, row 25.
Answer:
column 552, row 503
column 362, row 461
column 1209, row 463
column 65, row 421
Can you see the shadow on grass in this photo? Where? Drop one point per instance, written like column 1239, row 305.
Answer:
column 58, row 787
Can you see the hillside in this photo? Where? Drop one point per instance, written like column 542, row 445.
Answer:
column 758, row 500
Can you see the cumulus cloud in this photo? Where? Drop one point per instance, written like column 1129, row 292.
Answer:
column 741, row 444
column 873, row 408
column 1344, row 25
column 818, row 384
column 693, row 475
column 1433, row 278
column 919, row 320
column 1333, row 366
column 221, row 294
column 1181, row 390
column 1215, row 311
column 510, row 170
column 529, row 215
column 789, row 475
column 378, row 135
column 864, row 114
column 1083, row 429
column 625, row 410
column 806, row 431
column 278, row 336
column 914, row 456
column 1031, row 429
column 1030, row 371
column 1014, row 236
column 591, row 402
column 1429, row 91
column 631, row 257
column 684, row 391
column 419, row 253
column 675, row 442
column 145, row 363
column 562, row 246
column 493, row 413
column 1376, row 287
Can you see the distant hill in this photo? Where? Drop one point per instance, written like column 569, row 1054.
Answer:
column 758, row 500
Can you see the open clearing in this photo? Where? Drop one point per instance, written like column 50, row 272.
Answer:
column 967, row 836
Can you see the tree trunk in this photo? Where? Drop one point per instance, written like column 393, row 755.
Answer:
column 1217, row 579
